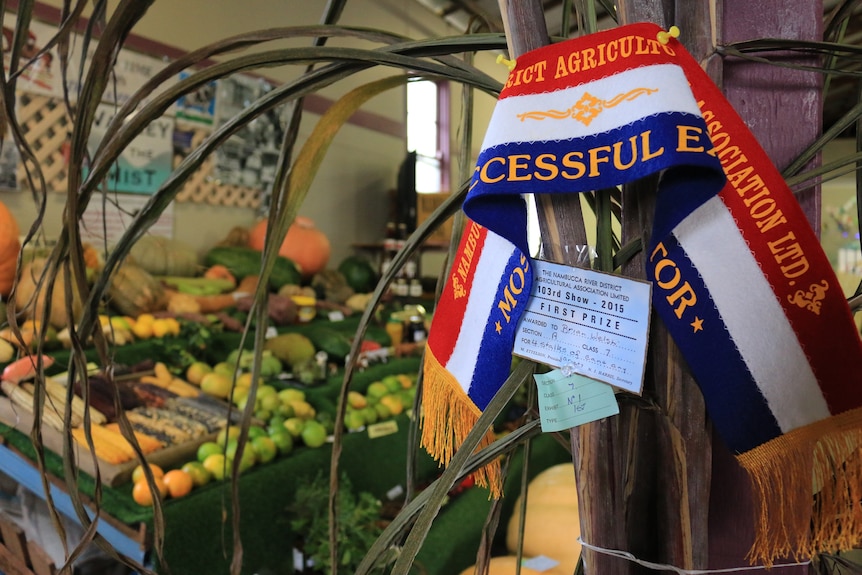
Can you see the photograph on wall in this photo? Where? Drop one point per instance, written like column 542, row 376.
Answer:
column 248, row 158
column 197, row 107
column 145, row 163
column 42, row 75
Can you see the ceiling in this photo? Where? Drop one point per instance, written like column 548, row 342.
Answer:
column 462, row 14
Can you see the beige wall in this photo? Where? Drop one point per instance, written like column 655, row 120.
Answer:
column 348, row 199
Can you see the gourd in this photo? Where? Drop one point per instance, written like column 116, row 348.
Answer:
column 9, row 248
column 304, row 244
column 30, row 296
column 552, row 526
column 134, row 291
column 161, row 256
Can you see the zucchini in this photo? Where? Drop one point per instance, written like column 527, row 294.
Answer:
column 243, row 262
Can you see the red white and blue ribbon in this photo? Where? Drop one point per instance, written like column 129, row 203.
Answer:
column 739, row 278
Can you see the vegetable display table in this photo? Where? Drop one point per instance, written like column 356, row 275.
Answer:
column 198, row 533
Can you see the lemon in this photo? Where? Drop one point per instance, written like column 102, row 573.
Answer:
column 216, row 384
column 216, row 464
column 196, row 372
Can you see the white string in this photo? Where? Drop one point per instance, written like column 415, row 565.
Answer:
column 663, row 567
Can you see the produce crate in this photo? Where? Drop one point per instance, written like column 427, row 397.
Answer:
column 111, row 475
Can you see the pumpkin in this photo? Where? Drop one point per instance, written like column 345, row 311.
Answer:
column 304, row 244
column 9, row 248
column 552, row 525
column 505, row 565
column 134, row 291
column 30, row 296
column 161, row 256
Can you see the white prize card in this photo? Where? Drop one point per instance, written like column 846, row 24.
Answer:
column 587, row 322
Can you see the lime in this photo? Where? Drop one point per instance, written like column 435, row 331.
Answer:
column 226, row 434
column 283, row 440
column 382, row 412
column 256, row 431
column 265, row 449
column 200, row 475
column 354, row 420
column 285, row 410
column 270, row 402
column 392, row 383
column 370, row 414
column 249, row 459
column 266, row 390
column 208, row 448
column 294, row 425
column 224, row 368
column 313, row 433
column 377, row 389
column 230, row 448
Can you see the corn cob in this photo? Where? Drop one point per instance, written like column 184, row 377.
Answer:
column 183, row 388
column 157, row 426
column 186, row 424
column 106, row 450
column 57, row 391
column 212, row 421
column 53, row 406
column 23, row 399
column 148, row 444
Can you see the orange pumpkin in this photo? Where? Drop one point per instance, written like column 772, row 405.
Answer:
column 9, row 248
column 304, row 244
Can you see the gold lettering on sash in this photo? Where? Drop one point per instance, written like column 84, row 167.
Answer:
column 465, row 262
column 517, row 279
column 756, row 196
column 669, row 278
column 571, row 165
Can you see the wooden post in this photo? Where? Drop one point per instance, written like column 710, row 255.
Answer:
column 782, row 107
column 645, row 476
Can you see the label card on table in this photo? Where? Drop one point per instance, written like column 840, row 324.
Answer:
column 539, row 563
column 587, row 322
column 566, row 401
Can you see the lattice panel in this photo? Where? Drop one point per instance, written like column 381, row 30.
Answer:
column 46, row 128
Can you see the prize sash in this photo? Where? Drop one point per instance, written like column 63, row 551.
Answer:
column 739, row 277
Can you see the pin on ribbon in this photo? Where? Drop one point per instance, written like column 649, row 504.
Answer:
column 664, row 37
column 510, row 64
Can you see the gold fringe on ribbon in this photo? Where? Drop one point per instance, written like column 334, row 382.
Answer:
column 448, row 415
column 807, row 487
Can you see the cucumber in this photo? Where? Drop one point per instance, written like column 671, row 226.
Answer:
column 243, row 262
